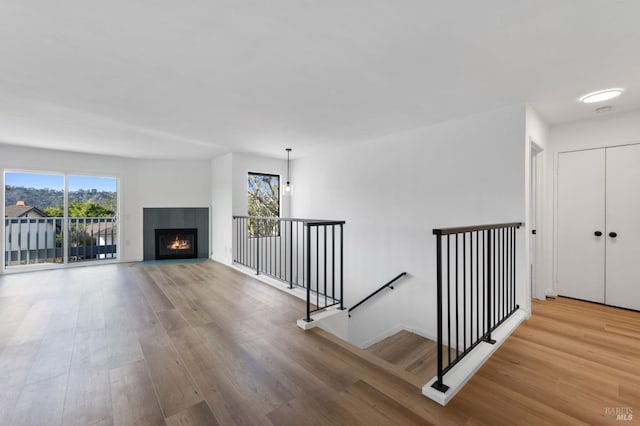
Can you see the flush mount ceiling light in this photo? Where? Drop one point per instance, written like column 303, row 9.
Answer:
column 601, row 95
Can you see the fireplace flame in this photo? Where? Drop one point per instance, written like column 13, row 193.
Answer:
column 179, row 244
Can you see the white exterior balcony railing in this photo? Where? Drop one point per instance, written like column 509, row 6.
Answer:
column 36, row 240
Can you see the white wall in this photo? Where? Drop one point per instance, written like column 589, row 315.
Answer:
column 537, row 134
column 393, row 191
column 245, row 163
column 166, row 183
column 222, row 200
column 229, row 195
column 602, row 131
column 143, row 183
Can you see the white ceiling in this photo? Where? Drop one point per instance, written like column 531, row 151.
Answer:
column 198, row 78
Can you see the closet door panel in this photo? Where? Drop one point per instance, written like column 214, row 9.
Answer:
column 581, row 213
column 623, row 218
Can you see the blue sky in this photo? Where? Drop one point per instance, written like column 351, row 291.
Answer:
column 36, row 180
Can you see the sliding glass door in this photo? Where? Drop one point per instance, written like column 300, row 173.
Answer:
column 92, row 220
column 34, row 222
column 55, row 218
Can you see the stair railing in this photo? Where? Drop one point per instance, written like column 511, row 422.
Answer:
column 305, row 253
column 387, row 285
column 476, row 288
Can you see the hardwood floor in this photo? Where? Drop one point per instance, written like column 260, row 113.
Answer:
column 411, row 352
column 204, row 344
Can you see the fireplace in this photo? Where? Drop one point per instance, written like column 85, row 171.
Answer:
column 176, row 243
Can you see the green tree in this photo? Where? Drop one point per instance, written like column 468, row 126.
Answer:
column 78, row 234
column 263, row 198
column 80, row 209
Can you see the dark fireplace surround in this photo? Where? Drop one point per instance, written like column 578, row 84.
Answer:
column 175, row 218
column 176, row 243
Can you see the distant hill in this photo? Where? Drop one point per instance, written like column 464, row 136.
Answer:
column 44, row 198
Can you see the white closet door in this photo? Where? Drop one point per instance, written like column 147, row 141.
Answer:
column 581, row 213
column 623, row 218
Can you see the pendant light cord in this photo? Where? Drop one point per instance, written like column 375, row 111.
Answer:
column 288, row 166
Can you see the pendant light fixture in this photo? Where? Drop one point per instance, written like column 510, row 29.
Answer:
column 287, row 188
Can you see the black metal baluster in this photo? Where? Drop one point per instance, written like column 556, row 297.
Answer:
column 471, row 288
column 464, row 291
column 504, row 274
column 484, row 279
column 269, row 240
column 513, row 272
column 457, row 302
column 333, row 262
column 449, row 298
column 341, row 266
column 496, row 272
column 290, row 254
column 257, row 241
column 488, row 306
column 308, row 269
column 495, row 238
column 439, row 385
column 324, row 229
column 477, row 285
column 507, row 301
column 317, row 266
column 243, row 242
column 471, row 276
column 247, row 242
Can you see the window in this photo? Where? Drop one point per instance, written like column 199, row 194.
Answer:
column 263, row 200
column 40, row 227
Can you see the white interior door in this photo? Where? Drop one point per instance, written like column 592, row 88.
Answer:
column 623, row 227
column 581, row 214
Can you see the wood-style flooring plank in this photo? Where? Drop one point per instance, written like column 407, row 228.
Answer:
column 15, row 364
column 133, row 397
column 91, row 312
column 226, row 399
column 34, row 325
column 391, row 411
column 54, row 357
column 196, row 415
column 174, row 386
column 41, row 403
column 88, row 396
column 155, row 296
column 206, row 344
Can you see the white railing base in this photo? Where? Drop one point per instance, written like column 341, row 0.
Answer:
column 462, row 372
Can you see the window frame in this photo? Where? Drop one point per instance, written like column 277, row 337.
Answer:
column 270, row 175
column 65, row 243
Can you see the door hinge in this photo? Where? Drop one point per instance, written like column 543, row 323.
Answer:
column 533, row 231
